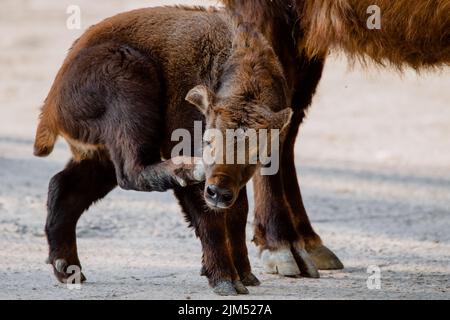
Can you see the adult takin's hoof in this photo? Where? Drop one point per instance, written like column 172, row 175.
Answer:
column 325, row 259
column 280, row 261
column 307, row 267
column 250, row 280
column 66, row 273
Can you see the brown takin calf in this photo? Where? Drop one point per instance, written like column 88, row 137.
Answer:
column 118, row 98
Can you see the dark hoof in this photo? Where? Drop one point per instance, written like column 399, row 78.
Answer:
column 65, row 272
column 190, row 171
column 307, row 267
column 198, row 174
column 325, row 259
column 250, row 280
column 240, row 288
column 225, row 288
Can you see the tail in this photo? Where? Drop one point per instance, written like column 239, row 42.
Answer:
column 46, row 134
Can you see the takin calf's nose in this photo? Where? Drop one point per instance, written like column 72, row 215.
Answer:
column 218, row 197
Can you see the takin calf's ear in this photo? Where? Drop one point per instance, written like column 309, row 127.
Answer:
column 201, row 97
column 282, row 119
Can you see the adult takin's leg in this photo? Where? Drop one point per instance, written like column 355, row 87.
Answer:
column 323, row 258
column 306, row 243
column 71, row 192
column 210, row 227
column 275, row 233
column 309, row 74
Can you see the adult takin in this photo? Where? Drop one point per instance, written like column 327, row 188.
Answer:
column 413, row 34
column 126, row 85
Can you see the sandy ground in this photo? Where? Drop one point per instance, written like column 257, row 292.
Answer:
column 374, row 164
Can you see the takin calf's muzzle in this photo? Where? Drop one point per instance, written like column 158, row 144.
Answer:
column 219, row 197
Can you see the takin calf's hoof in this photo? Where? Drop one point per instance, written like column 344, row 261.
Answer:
column 249, row 280
column 230, row 288
column 188, row 171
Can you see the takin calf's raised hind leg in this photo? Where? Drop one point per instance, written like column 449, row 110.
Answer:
column 75, row 189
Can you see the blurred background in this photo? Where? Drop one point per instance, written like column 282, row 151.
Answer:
column 373, row 159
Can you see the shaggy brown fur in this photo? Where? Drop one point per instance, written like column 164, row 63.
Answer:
column 413, row 33
column 119, row 96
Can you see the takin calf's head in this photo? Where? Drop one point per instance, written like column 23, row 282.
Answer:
column 246, row 118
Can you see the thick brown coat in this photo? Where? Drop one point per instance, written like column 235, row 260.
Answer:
column 119, row 96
